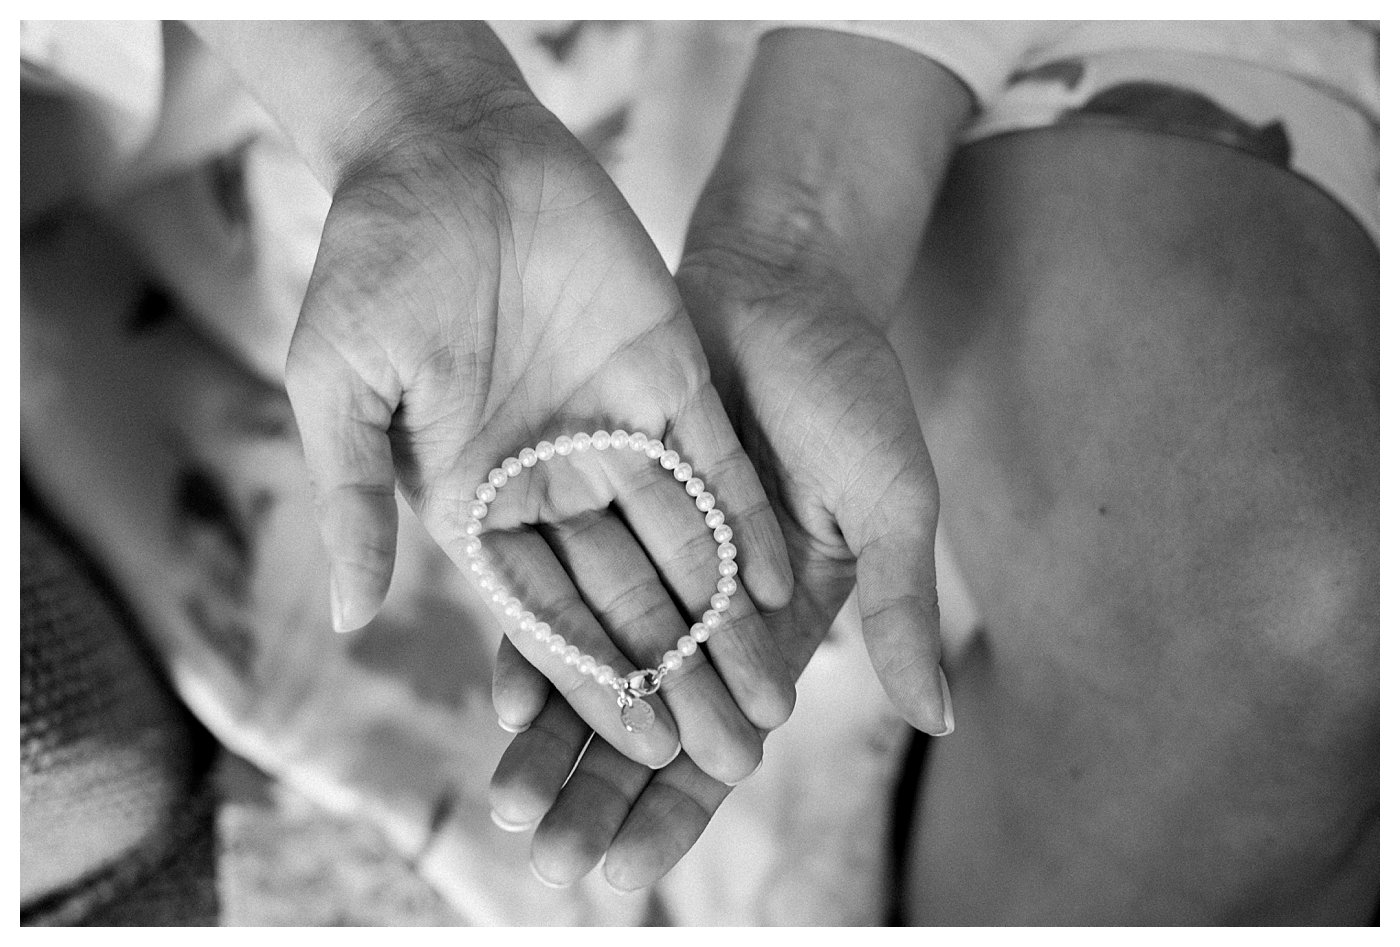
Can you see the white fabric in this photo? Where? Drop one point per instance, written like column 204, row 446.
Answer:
column 1337, row 56
column 1319, row 79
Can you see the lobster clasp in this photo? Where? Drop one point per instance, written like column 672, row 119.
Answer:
column 646, row 682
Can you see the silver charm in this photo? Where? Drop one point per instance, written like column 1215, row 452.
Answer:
column 637, row 715
column 632, row 691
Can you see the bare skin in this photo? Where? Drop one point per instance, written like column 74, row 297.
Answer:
column 1145, row 368
column 481, row 284
column 1147, row 372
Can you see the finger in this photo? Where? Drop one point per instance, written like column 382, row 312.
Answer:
column 343, row 423
column 620, row 585
column 663, row 824
column 521, row 574
column 518, row 689
column 896, row 584
column 675, row 533
column 701, row 432
column 574, row 834
column 536, row 765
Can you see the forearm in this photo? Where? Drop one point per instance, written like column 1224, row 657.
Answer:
column 833, row 160
column 345, row 91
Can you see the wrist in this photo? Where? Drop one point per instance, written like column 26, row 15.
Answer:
column 350, row 93
column 765, row 244
column 765, row 229
column 761, row 272
column 777, row 236
column 832, row 161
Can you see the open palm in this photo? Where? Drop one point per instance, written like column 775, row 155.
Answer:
column 822, row 408
column 461, row 310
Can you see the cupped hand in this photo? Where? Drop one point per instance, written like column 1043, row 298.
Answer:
column 478, row 290
column 821, row 405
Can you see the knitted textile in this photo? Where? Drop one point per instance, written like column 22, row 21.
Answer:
column 115, row 808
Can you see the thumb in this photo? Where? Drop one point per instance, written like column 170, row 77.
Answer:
column 897, row 589
column 344, row 427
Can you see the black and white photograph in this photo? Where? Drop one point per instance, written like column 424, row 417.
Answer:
column 696, row 473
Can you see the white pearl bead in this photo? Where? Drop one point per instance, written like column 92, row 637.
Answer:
column 514, row 609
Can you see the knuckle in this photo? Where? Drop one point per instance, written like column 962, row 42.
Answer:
column 632, row 605
column 766, row 692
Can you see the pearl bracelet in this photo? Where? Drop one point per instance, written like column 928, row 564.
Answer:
column 631, row 688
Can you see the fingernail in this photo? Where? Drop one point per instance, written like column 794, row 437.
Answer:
column 948, row 722
column 512, row 728
column 508, row 825
column 603, row 870
column 614, row 888
column 669, row 761
column 545, row 881
column 337, row 612
column 749, row 776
